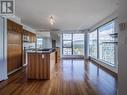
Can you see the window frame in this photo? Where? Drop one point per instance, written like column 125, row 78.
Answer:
column 67, row 40
column 96, row 43
column 115, row 48
column 109, row 63
column 71, row 43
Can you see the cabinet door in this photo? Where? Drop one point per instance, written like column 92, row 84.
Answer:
column 11, row 58
column 18, row 56
column 14, row 54
column 39, row 67
column 42, row 66
column 35, row 38
column 32, row 61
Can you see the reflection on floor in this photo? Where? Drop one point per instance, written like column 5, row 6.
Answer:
column 72, row 77
column 100, row 80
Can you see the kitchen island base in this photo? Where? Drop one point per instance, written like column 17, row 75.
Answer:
column 41, row 65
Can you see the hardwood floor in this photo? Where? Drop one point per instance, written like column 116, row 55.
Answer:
column 72, row 77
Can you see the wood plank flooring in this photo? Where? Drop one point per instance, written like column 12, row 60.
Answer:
column 72, row 77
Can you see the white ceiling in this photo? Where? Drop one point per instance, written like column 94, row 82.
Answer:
column 68, row 14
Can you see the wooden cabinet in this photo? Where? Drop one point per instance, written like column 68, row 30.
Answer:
column 41, row 66
column 14, row 46
column 32, row 36
column 57, row 55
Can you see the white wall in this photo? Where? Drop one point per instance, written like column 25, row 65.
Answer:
column 3, row 63
column 122, row 55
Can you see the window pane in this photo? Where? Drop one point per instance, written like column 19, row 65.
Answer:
column 67, row 36
column 106, row 43
column 93, row 44
column 67, row 51
column 39, row 42
column 66, row 43
column 78, row 44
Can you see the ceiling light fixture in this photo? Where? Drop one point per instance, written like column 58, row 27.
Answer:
column 52, row 21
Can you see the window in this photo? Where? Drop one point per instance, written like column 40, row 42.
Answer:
column 67, row 36
column 78, row 44
column 73, row 44
column 67, row 51
column 107, row 43
column 93, row 44
column 39, row 43
column 103, row 44
column 67, row 44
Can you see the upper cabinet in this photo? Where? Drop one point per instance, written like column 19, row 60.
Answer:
column 14, row 27
column 32, row 37
column 29, row 36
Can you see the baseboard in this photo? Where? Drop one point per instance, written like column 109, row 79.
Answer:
column 14, row 70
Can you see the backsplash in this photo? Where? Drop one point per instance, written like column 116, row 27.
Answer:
column 29, row 45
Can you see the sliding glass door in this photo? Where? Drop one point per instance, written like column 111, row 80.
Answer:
column 73, row 44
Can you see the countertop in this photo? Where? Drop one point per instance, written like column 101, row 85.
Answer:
column 43, row 51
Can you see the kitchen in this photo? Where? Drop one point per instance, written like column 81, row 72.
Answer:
column 22, row 42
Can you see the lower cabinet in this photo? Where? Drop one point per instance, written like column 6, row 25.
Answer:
column 14, row 57
column 14, row 51
column 41, row 66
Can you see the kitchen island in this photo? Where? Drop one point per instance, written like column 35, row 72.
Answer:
column 41, row 64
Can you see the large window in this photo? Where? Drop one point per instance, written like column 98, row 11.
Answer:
column 107, row 43
column 93, row 44
column 78, row 44
column 103, row 43
column 73, row 44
